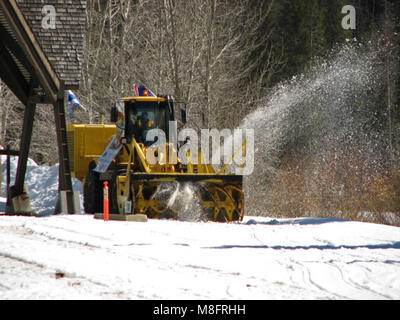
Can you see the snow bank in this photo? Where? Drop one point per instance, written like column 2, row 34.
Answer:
column 42, row 182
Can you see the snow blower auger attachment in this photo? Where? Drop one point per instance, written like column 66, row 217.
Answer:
column 147, row 172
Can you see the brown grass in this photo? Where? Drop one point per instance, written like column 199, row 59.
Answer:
column 342, row 185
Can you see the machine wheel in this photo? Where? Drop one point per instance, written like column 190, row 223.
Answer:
column 113, row 193
column 92, row 193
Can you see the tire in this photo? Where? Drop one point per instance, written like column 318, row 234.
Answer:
column 93, row 193
column 112, row 194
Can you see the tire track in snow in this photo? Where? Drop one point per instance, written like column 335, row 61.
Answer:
column 106, row 253
column 310, row 278
column 307, row 282
column 311, row 283
column 43, row 259
column 362, row 289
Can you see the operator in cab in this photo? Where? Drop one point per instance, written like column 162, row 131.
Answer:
column 142, row 126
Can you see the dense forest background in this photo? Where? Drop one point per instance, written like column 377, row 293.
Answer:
column 225, row 58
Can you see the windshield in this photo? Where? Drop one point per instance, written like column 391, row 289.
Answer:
column 144, row 116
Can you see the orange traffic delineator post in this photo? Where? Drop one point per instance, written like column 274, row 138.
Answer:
column 106, row 207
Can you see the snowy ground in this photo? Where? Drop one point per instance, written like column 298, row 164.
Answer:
column 78, row 257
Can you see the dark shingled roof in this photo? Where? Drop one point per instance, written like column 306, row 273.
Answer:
column 64, row 44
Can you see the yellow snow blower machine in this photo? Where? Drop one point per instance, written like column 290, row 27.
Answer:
column 149, row 172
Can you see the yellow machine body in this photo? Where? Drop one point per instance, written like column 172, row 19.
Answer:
column 138, row 187
column 86, row 143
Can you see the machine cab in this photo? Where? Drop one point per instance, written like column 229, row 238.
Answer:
column 135, row 116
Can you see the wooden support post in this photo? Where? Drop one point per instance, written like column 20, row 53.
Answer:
column 18, row 201
column 65, row 182
column 67, row 201
column 8, row 169
column 25, row 143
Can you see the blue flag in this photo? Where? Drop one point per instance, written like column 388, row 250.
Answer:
column 73, row 104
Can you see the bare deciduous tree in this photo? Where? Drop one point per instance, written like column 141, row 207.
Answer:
column 195, row 50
